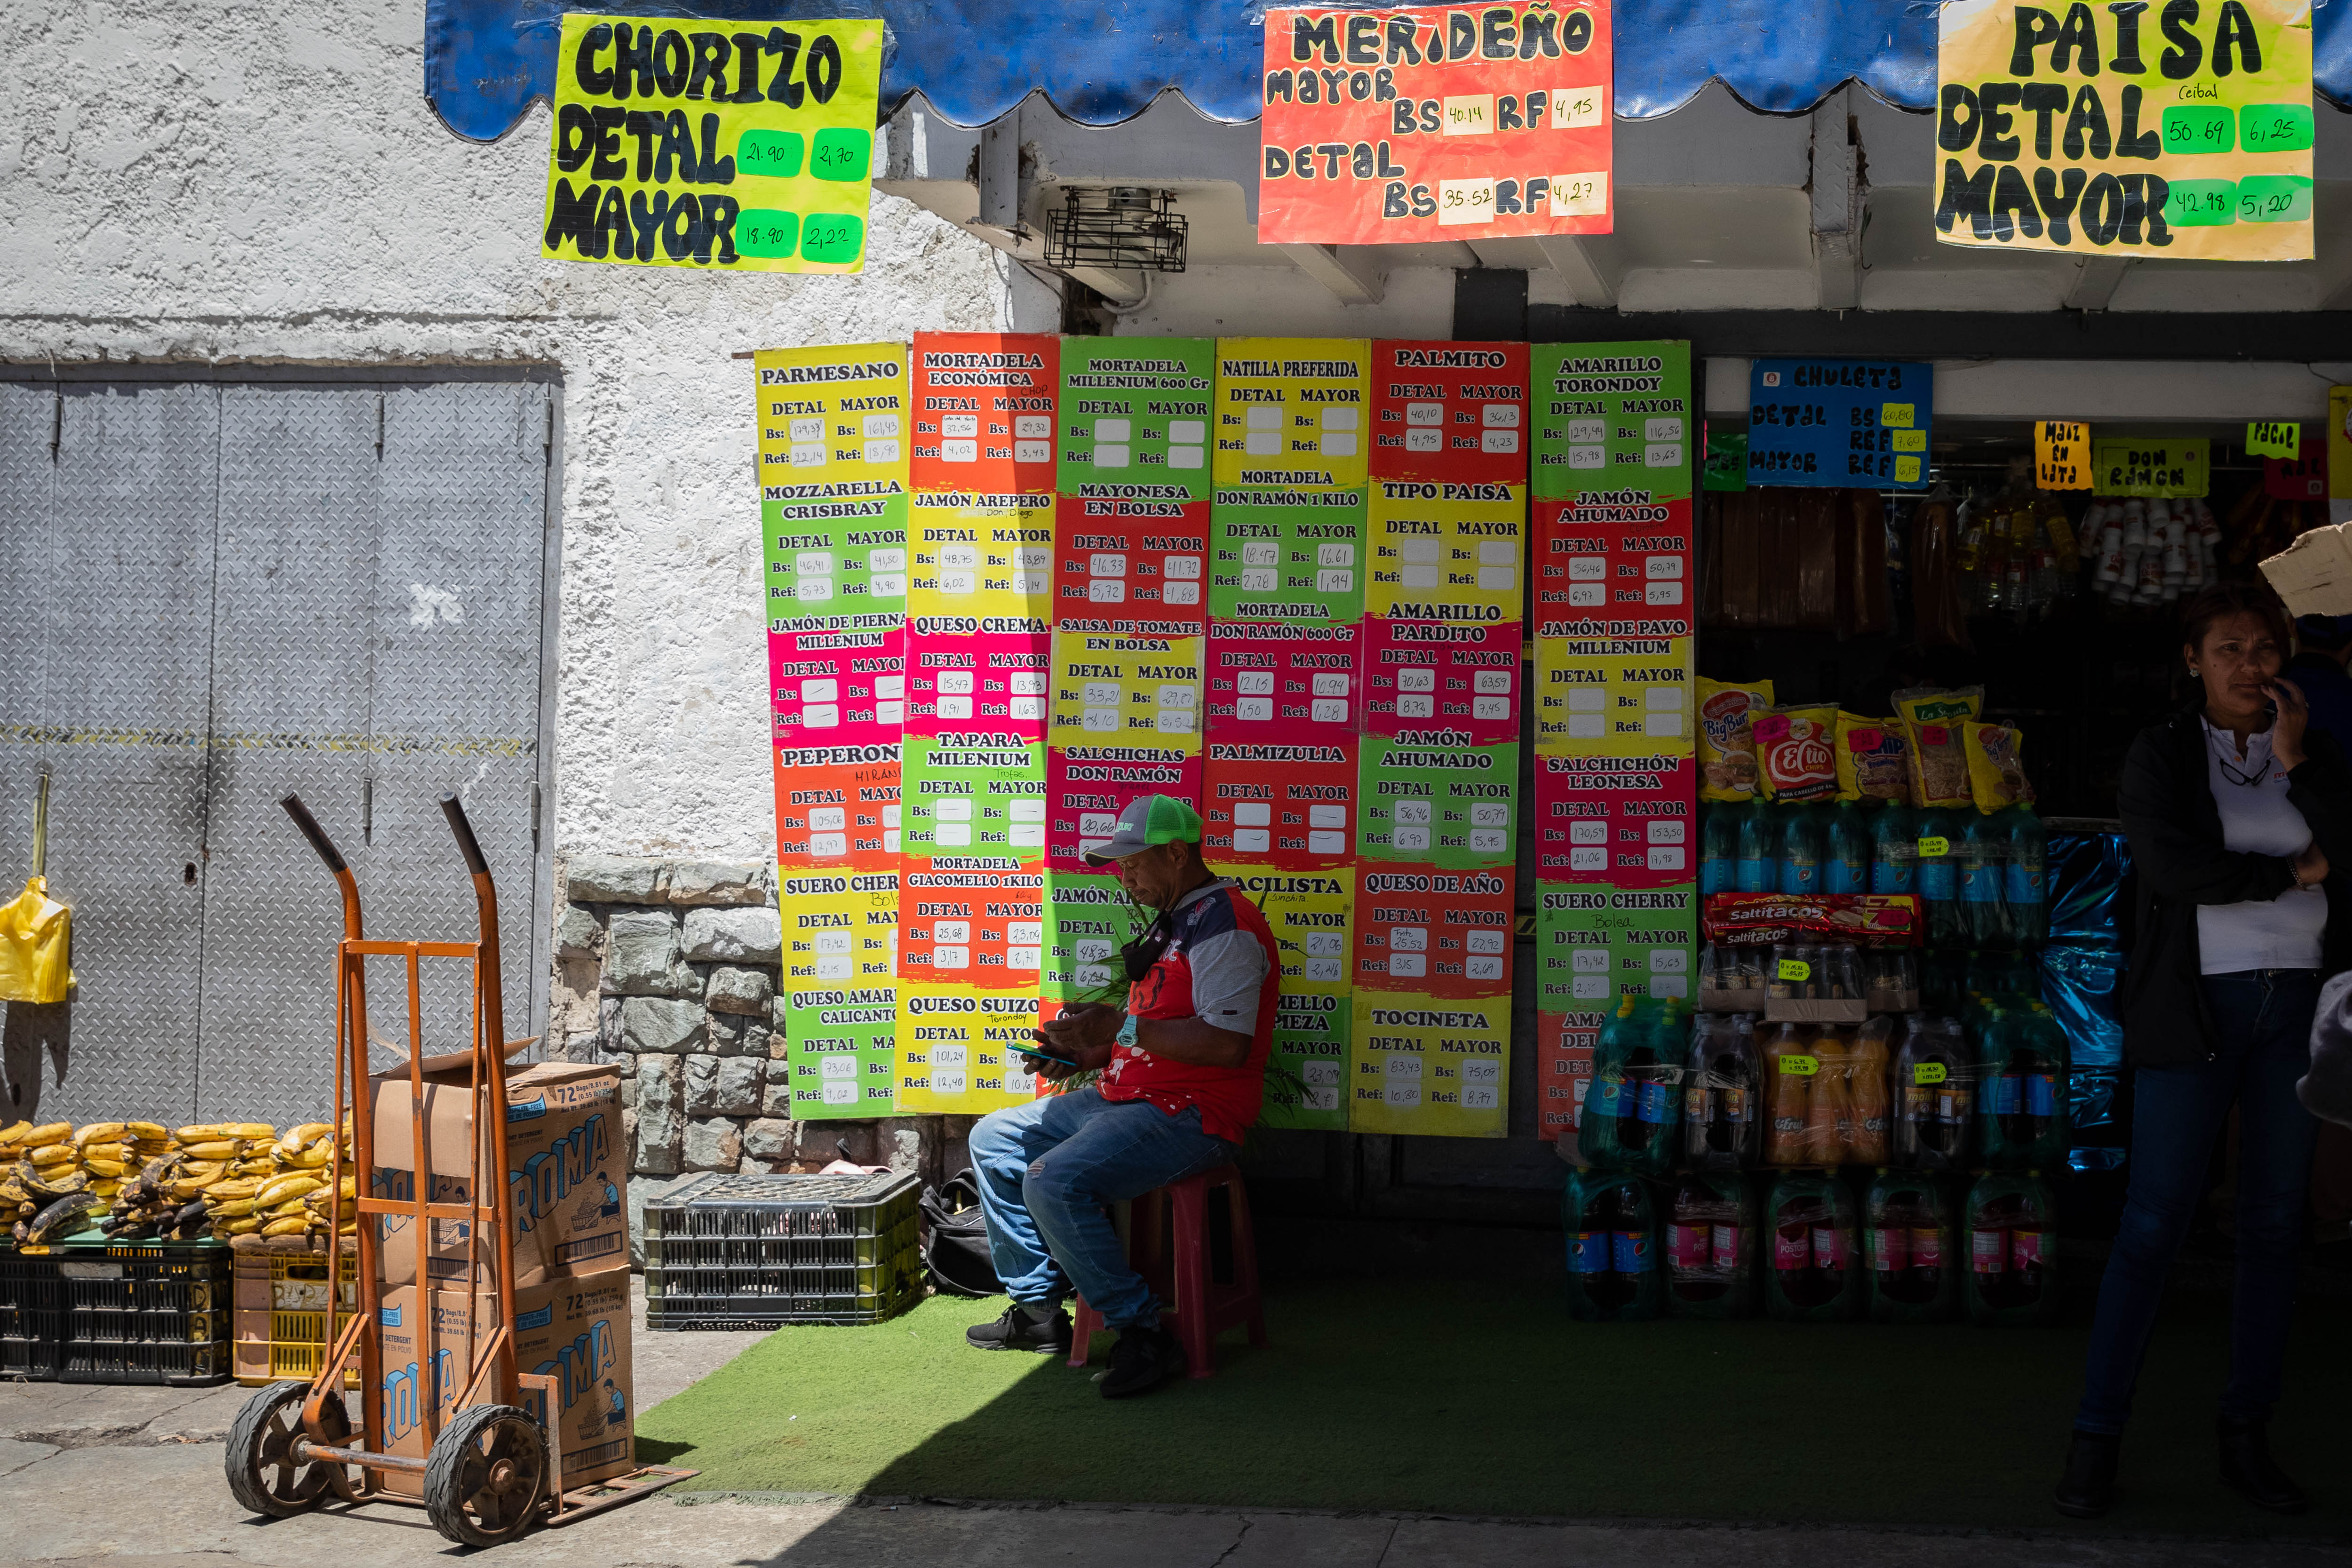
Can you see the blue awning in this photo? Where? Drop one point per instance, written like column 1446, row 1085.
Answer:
column 1100, row 62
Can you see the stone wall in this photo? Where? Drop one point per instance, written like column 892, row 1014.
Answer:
column 668, row 969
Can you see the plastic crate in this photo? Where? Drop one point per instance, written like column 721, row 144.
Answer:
column 733, row 1252
column 280, row 1321
column 151, row 1312
column 32, row 1315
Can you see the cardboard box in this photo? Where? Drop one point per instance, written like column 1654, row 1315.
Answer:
column 2314, row 574
column 567, row 1173
column 576, row 1331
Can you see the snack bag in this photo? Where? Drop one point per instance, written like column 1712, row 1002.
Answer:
column 1933, row 720
column 1996, row 766
column 1874, row 761
column 1726, row 745
column 1795, row 746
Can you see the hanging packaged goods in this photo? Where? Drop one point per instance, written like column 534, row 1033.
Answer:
column 1401, row 127
column 742, row 150
column 2185, row 134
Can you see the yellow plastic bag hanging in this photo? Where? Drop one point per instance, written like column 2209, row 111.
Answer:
column 36, row 946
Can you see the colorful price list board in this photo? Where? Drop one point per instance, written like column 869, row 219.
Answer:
column 1440, row 550
column 1564, row 1046
column 1109, row 689
column 834, row 477
column 1430, row 1064
column 1414, row 126
column 745, row 151
column 2187, row 133
column 1464, row 677
column 1428, row 928
column 1613, row 416
column 845, row 687
column 838, row 990
column 981, row 556
column 960, row 1048
column 983, row 411
column 1609, row 554
column 1277, row 803
column 982, row 929
column 1292, row 412
column 1311, row 915
column 1597, row 944
column 1624, row 821
column 1088, row 918
column 1450, row 411
column 1288, row 555
column 1000, row 679
column 974, row 792
column 1087, row 785
column 837, row 806
column 1137, row 411
column 1280, row 678
column 1843, row 423
column 1134, row 562
column 1612, row 683
column 1432, row 795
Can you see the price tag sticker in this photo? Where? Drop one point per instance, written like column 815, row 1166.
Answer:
column 1897, row 416
column 2274, row 438
column 1934, row 849
column 2062, row 454
column 1928, row 1072
column 1800, row 1067
column 1795, row 968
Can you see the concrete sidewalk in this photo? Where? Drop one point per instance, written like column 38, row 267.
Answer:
column 131, row 1478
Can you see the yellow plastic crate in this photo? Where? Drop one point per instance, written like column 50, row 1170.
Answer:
column 281, row 1317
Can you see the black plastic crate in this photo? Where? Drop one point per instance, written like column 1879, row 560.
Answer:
column 141, row 1312
column 731, row 1252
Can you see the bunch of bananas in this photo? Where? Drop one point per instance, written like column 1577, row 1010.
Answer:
column 290, row 1197
column 45, row 1192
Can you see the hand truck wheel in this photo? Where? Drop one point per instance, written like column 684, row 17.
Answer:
column 262, row 1471
column 485, row 1478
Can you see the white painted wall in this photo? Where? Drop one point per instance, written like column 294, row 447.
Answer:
column 249, row 182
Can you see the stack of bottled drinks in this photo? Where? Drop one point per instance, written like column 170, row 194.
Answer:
column 1827, row 1171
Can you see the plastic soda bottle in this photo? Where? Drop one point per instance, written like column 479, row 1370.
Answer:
column 1846, row 866
column 1895, row 851
column 1759, row 850
column 1938, row 882
column 1718, row 853
column 1801, row 843
column 2025, row 890
column 1982, row 859
column 1721, row 1095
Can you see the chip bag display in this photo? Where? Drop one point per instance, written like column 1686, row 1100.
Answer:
column 1933, row 720
column 1996, row 755
column 1795, row 750
column 1874, row 761
column 1726, row 743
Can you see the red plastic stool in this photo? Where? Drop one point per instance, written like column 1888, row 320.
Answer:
column 1203, row 1309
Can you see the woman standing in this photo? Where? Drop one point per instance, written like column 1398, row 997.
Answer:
column 2235, row 811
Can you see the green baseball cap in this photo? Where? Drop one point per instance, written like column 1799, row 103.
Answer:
column 1148, row 819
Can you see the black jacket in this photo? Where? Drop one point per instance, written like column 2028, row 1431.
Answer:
column 2175, row 830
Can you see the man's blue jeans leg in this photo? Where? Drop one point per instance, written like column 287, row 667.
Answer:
column 1048, row 1172
column 2264, row 1020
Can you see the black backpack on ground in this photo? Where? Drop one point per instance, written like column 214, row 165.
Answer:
column 957, row 1249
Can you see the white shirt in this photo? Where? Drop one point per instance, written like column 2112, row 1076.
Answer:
column 2257, row 819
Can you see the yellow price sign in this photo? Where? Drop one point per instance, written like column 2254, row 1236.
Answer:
column 1896, row 416
column 1934, row 849
column 1928, row 1072
column 2274, row 438
column 1795, row 968
column 1800, row 1067
column 2061, row 455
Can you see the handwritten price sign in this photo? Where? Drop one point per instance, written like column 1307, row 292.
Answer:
column 2061, row 455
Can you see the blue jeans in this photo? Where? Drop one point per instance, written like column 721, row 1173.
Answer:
column 2262, row 1024
column 1048, row 1172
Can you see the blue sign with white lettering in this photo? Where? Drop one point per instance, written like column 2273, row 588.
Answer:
column 1840, row 422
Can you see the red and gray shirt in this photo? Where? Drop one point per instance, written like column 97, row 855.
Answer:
column 1218, row 967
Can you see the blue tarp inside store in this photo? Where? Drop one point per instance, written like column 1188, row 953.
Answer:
column 1100, row 62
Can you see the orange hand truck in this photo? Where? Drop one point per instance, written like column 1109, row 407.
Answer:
column 493, row 1470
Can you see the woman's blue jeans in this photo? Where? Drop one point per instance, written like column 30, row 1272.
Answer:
column 2262, row 1022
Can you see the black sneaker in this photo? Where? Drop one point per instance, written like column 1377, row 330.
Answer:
column 1141, row 1361
column 2087, row 1488
column 1045, row 1330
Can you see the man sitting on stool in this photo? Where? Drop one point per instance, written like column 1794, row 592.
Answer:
column 1183, row 1070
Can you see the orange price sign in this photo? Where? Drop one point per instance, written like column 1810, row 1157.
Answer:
column 1424, row 124
column 2061, row 455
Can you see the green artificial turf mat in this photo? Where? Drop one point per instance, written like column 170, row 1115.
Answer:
column 1487, row 1399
